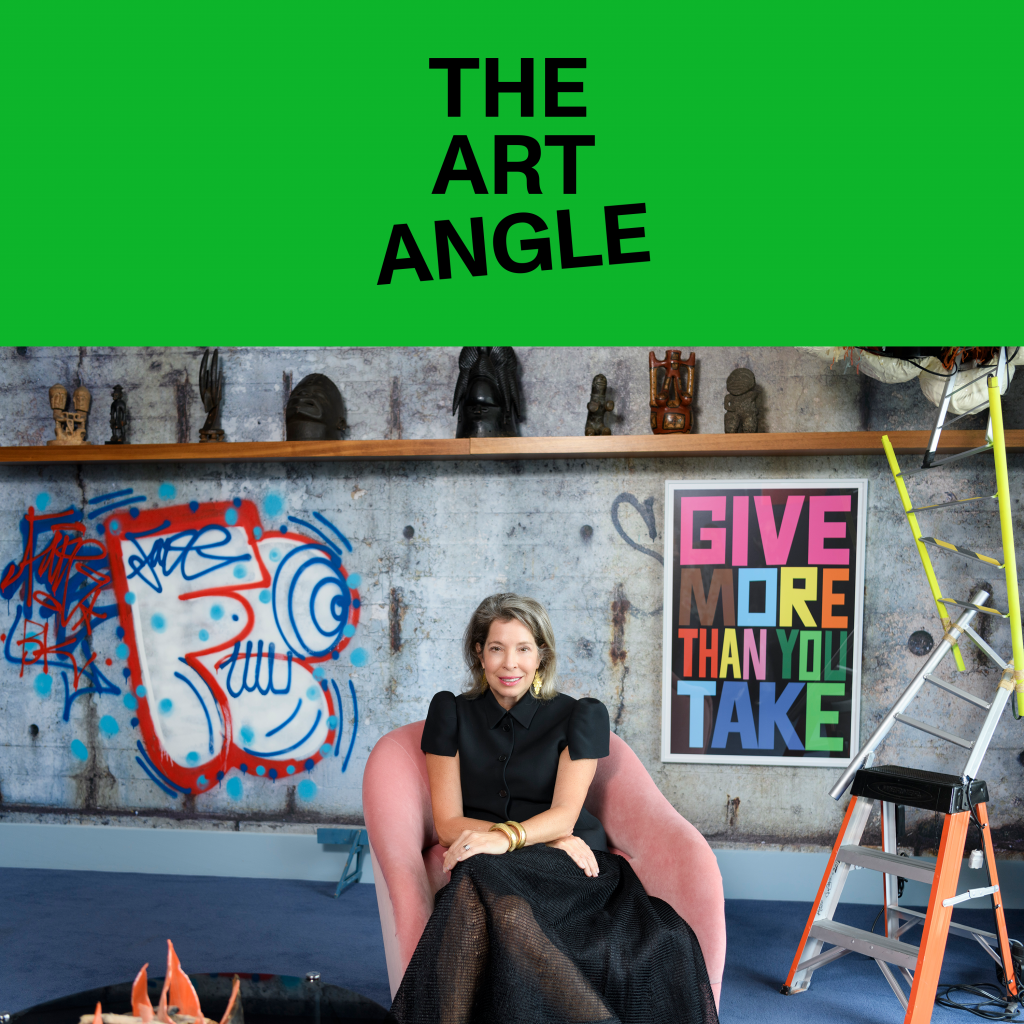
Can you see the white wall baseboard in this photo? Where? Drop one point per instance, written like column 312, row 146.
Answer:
column 796, row 875
column 747, row 874
column 173, row 851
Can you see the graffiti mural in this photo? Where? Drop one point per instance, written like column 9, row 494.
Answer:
column 227, row 634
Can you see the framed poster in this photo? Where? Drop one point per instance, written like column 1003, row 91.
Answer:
column 763, row 621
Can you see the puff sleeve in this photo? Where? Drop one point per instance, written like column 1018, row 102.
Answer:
column 588, row 729
column 441, row 729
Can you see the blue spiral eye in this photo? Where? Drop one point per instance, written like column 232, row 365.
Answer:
column 311, row 600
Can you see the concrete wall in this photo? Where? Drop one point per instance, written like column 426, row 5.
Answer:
column 477, row 527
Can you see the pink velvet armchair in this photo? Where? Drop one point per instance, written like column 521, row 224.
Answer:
column 670, row 857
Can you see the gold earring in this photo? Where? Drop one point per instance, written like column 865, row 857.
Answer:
column 537, row 683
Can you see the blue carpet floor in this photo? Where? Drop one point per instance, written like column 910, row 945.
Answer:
column 65, row 931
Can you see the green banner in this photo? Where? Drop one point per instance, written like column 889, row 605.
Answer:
column 672, row 174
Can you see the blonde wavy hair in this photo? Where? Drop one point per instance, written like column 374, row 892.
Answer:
column 505, row 608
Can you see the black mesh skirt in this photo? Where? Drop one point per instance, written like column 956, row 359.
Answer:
column 527, row 937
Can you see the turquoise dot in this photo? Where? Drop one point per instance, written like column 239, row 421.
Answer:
column 216, row 612
column 325, row 750
column 239, row 572
column 257, row 532
column 167, row 491
column 246, row 733
column 318, row 672
column 349, row 630
column 129, row 598
column 140, row 691
column 354, row 580
column 159, row 623
column 122, row 650
column 306, row 789
column 42, row 501
column 265, row 597
column 234, row 788
column 275, row 555
column 332, row 722
column 312, row 693
column 260, row 770
column 201, row 780
column 130, row 702
column 231, row 516
column 80, row 750
column 114, row 526
column 272, row 504
column 43, row 684
column 290, row 769
column 109, row 726
column 204, row 635
column 359, row 657
column 166, row 706
column 192, row 757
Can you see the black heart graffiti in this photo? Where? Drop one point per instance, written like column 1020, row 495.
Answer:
column 646, row 510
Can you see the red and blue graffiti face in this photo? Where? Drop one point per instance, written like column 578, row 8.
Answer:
column 230, row 631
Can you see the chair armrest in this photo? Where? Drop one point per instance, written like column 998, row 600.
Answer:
column 397, row 812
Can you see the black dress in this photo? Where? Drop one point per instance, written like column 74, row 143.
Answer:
column 526, row 936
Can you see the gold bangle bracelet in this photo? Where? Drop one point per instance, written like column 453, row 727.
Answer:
column 520, row 833
column 500, row 826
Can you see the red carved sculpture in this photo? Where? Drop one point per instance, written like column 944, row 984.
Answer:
column 671, row 398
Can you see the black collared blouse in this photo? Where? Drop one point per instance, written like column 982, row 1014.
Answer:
column 508, row 760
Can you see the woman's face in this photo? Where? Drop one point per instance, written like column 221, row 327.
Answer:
column 510, row 659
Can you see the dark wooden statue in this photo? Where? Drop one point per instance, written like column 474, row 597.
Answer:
column 741, row 402
column 118, row 417
column 211, row 387
column 598, row 405
column 671, row 398
column 487, row 396
column 315, row 410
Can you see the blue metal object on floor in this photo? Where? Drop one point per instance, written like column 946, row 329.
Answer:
column 355, row 840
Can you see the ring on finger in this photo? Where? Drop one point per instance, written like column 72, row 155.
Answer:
column 466, row 847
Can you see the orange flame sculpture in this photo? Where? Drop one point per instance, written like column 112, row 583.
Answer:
column 178, row 996
column 178, row 989
column 141, row 1006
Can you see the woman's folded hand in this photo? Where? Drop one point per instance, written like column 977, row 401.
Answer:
column 582, row 854
column 469, row 844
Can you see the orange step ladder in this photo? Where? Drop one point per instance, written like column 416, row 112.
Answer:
column 918, row 965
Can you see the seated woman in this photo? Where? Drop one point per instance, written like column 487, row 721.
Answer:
column 539, row 923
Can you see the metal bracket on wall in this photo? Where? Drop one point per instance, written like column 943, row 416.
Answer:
column 355, row 839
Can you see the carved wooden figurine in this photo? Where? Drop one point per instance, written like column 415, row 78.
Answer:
column 598, row 405
column 671, row 398
column 118, row 417
column 211, row 387
column 69, row 426
column 741, row 402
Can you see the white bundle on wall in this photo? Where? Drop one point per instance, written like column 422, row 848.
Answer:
column 929, row 371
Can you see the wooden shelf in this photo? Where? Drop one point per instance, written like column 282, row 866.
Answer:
column 640, row 446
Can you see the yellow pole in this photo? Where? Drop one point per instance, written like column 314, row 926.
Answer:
column 1006, row 527
column 933, row 582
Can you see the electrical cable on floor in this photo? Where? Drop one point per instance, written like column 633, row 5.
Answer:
column 1003, row 1008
